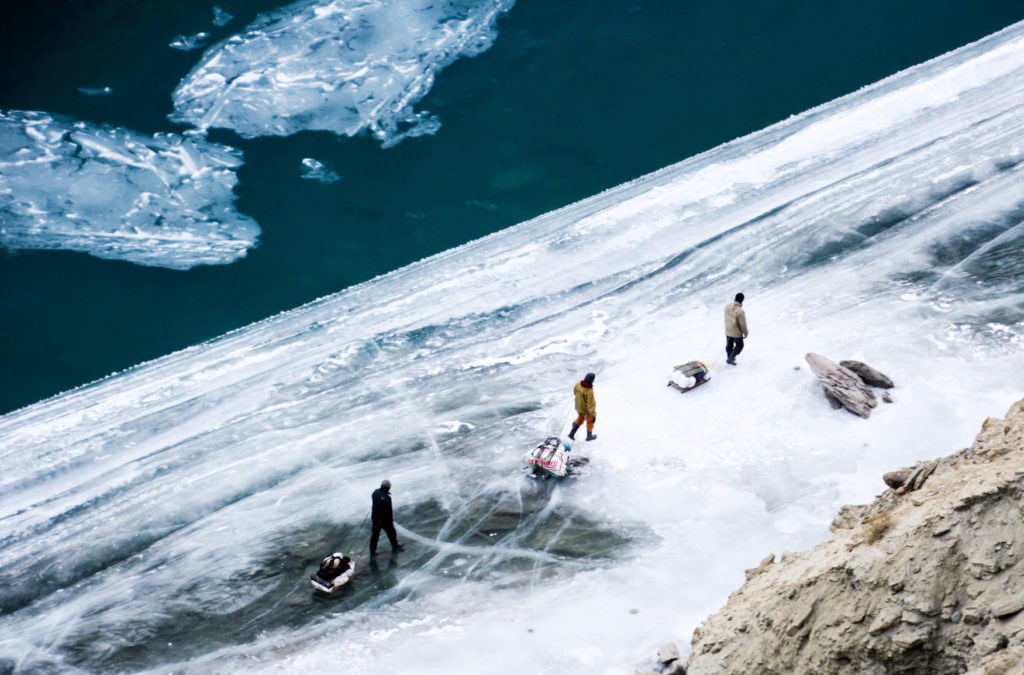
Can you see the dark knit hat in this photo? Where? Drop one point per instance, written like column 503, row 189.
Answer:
column 739, row 297
column 589, row 378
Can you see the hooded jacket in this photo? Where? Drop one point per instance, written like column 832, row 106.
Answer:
column 735, row 320
column 585, row 402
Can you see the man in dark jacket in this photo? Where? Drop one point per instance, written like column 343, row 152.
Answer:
column 382, row 518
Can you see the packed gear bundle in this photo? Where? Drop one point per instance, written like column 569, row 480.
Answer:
column 687, row 376
column 335, row 571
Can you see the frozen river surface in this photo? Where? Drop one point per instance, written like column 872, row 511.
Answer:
column 166, row 518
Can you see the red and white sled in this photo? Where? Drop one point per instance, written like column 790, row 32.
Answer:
column 550, row 457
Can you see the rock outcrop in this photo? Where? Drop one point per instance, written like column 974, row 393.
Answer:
column 669, row 662
column 843, row 387
column 868, row 374
column 929, row 578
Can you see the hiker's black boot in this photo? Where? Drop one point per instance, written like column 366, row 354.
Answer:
column 591, row 436
column 572, row 434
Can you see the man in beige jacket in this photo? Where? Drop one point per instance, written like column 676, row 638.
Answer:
column 735, row 329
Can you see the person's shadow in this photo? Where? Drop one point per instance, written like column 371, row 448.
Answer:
column 384, row 577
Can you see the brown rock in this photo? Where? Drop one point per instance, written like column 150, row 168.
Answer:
column 1007, row 607
column 941, row 592
column 998, row 437
column 765, row 564
column 843, row 385
column 868, row 374
column 898, row 478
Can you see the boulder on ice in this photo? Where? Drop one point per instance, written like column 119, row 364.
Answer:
column 869, row 374
column 843, row 387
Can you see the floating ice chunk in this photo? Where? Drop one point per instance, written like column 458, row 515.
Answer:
column 187, row 43
column 160, row 200
column 220, row 17
column 96, row 91
column 344, row 66
column 313, row 169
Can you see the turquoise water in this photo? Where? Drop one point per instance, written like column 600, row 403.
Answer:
column 572, row 98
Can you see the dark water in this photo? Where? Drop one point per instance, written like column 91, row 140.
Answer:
column 573, row 98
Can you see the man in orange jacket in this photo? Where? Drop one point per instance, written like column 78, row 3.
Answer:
column 586, row 407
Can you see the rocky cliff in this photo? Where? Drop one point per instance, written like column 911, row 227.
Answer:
column 927, row 579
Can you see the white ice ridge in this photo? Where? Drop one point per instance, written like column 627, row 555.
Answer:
column 161, row 200
column 343, row 66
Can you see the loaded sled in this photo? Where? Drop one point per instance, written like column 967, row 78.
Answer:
column 335, row 571
column 690, row 375
column 551, row 458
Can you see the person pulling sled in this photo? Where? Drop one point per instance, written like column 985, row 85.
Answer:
column 586, row 407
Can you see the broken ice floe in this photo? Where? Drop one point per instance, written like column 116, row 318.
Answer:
column 313, row 169
column 95, row 91
column 187, row 43
column 220, row 17
column 340, row 66
column 161, row 200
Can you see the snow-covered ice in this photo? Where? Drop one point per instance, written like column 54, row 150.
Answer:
column 164, row 200
column 337, row 65
column 188, row 43
column 96, row 91
column 221, row 17
column 315, row 170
